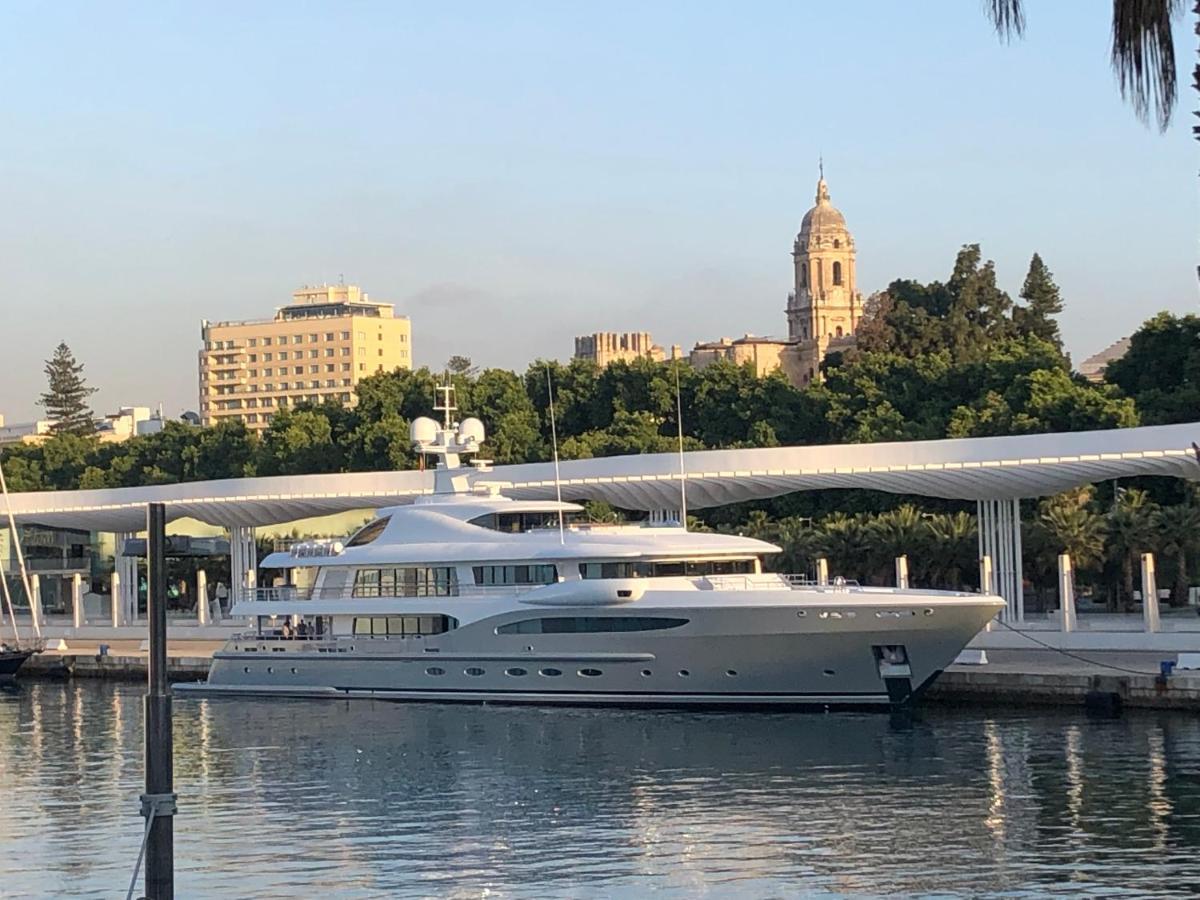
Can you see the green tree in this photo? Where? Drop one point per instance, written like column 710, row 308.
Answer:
column 65, row 399
column 461, row 365
column 954, row 550
column 299, row 442
column 1161, row 370
column 1067, row 524
column 1178, row 527
column 1042, row 304
column 1131, row 530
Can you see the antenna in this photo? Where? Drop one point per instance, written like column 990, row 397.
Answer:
column 554, row 443
column 682, row 469
column 447, row 401
column 16, row 542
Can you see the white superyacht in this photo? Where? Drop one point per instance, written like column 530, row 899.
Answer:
column 466, row 595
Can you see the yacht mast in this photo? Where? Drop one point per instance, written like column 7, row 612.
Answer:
column 15, row 536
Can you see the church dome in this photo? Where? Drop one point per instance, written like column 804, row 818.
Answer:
column 824, row 218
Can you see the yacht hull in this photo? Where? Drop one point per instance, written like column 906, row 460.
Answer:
column 779, row 654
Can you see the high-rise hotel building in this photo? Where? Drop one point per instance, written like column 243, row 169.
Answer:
column 315, row 349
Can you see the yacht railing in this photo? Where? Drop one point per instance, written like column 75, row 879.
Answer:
column 773, row 581
column 287, row 593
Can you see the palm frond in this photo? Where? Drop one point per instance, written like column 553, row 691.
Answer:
column 1143, row 56
column 1008, row 17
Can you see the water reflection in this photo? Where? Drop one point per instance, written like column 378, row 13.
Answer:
column 362, row 799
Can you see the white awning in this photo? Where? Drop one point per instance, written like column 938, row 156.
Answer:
column 967, row 469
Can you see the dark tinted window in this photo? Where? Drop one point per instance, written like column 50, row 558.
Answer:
column 644, row 569
column 411, row 581
column 520, row 522
column 368, row 533
column 589, row 624
column 524, row 574
column 403, row 626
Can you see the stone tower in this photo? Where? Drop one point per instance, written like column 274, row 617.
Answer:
column 824, row 308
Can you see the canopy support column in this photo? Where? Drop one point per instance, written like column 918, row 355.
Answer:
column 243, row 561
column 1000, row 541
column 126, row 568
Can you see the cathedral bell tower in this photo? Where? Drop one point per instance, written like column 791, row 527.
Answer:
column 824, row 308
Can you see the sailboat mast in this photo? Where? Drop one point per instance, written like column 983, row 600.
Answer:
column 16, row 542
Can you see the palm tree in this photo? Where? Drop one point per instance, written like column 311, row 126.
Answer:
column 1143, row 52
column 1068, row 525
column 954, row 548
column 1131, row 531
column 898, row 532
column 846, row 540
column 1179, row 535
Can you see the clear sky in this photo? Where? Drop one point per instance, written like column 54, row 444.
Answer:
column 513, row 174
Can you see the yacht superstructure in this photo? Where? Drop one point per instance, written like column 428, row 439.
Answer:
column 467, row 595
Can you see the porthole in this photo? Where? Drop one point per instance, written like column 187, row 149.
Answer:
column 246, row 669
column 435, row 670
column 270, row 670
column 473, row 670
column 928, row 612
column 515, row 672
column 590, row 673
column 646, row 673
column 294, row 672
column 684, row 673
column 802, row 613
column 828, row 673
column 732, row 673
column 551, row 673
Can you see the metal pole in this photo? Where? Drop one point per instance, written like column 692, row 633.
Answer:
column 1150, row 619
column 158, row 803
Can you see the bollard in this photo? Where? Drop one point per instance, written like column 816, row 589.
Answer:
column 77, row 600
column 202, row 608
column 902, row 572
column 115, row 591
column 1066, row 593
column 822, row 571
column 1150, row 620
column 35, row 602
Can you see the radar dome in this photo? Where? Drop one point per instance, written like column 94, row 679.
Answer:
column 471, row 430
column 423, row 430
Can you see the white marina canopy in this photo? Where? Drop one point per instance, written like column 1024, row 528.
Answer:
column 981, row 469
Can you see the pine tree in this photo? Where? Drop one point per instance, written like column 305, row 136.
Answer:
column 1043, row 303
column 65, row 400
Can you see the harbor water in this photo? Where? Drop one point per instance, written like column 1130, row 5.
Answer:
column 370, row 799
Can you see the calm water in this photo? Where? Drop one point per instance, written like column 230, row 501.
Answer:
column 362, row 799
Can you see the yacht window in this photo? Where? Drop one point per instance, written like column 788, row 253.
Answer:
column 368, row 533
column 589, row 624
column 402, row 626
column 644, row 569
column 518, row 523
column 416, row 581
column 493, row 575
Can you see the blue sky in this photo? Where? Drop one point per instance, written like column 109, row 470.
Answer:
column 514, row 174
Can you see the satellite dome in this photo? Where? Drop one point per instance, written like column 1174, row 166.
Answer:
column 471, row 430
column 423, row 430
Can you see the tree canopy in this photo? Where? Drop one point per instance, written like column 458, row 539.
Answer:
column 66, row 395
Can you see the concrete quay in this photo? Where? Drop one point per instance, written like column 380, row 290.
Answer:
column 1048, row 678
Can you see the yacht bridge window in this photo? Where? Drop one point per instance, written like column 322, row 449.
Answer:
column 589, row 624
column 402, row 626
column 368, row 533
column 524, row 574
column 411, row 581
column 662, row 569
column 520, row 522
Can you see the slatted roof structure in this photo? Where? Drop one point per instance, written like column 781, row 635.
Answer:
column 981, row 469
